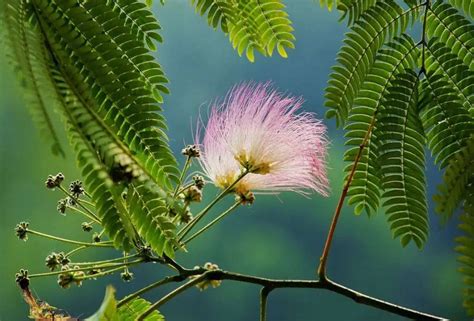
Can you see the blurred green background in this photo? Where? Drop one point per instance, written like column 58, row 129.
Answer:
column 279, row 237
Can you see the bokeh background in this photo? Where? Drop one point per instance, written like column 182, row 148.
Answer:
column 279, row 237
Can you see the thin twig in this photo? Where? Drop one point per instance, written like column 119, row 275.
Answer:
column 327, row 246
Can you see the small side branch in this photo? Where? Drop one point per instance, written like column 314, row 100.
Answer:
column 263, row 302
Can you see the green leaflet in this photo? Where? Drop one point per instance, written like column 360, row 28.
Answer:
column 261, row 25
column 380, row 23
column 24, row 49
column 129, row 311
column 451, row 28
column 149, row 213
column 466, row 5
column 108, row 310
column 399, row 55
column 353, row 9
column 402, row 161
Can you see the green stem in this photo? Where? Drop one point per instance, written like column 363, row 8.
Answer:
column 181, row 177
column 198, row 217
column 213, row 222
column 118, row 259
column 159, row 283
column 98, row 275
column 171, row 295
column 75, row 250
column 84, row 213
column 103, row 266
column 263, row 302
column 87, row 202
column 79, row 202
column 60, row 239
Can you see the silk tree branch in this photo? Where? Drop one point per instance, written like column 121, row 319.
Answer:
column 269, row 285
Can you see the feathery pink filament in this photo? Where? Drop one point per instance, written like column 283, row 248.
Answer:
column 257, row 126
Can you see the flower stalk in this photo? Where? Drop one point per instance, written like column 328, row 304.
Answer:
column 221, row 195
column 213, row 222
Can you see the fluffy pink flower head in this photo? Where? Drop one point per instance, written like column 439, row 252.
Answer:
column 257, row 129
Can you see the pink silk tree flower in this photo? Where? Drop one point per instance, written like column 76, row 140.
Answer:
column 258, row 130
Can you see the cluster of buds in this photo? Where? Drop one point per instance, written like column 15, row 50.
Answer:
column 206, row 283
column 69, row 276
column 54, row 181
column 191, row 151
column 54, row 260
column 21, row 230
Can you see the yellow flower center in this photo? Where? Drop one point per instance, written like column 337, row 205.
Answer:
column 252, row 165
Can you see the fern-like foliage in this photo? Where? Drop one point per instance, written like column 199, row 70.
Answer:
column 381, row 22
column 353, row 9
column 458, row 178
column 399, row 55
column 396, row 95
column 92, row 59
column 23, row 46
column 440, row 60
column 252, row 25
column 466, row 5
column 452, row 29
column 402, row 161
column 150, row 216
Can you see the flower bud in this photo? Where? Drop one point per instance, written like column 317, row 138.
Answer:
column 96, row 237
column 193, row 194
column 206, row 283
column 21, row 231
column 54, row 181
column 86, row 226
column 191, row 151
column 62, row 205
column 199, row 181
column 76, row 189
column 22, row 279
column 126, row 276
